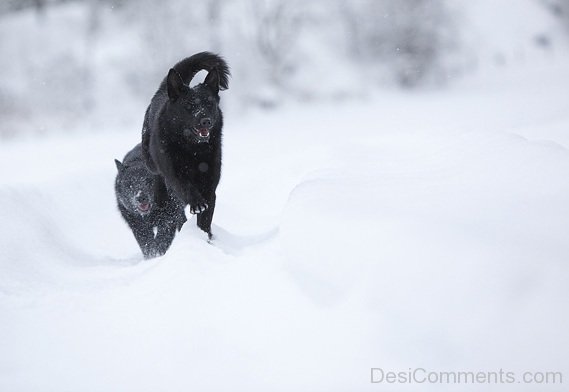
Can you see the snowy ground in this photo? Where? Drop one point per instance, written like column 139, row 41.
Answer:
column 421, row 230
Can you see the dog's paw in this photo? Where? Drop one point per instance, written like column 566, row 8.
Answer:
column 198, row 208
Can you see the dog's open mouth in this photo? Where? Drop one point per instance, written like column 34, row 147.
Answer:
column 144, row 207
column 202, row 132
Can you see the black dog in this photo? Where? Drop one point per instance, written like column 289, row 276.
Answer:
column 181, row 135
column 151, row 212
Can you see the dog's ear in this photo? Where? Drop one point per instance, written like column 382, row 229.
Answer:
column 119, row 165
column 175, row 84
column 212, row 81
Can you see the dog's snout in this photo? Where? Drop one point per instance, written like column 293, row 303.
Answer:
column 142, row 197
column 205, row 122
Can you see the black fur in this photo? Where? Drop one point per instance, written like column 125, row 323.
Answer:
column 182, row 130
column 146, row 205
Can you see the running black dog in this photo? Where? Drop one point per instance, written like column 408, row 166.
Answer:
column 181, row 135
column 151, row 212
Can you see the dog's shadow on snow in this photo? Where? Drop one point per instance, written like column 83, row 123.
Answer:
column 235, row 244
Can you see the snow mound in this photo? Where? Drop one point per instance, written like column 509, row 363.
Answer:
column 421, row 230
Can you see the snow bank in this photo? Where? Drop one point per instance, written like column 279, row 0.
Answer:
column 422, row 230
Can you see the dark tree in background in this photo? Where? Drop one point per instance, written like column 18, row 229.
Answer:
column 277, row 26
column 75, row 54
column 560, row 8
column 409, row 36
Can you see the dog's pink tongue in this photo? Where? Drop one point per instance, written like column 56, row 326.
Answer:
column 204, row 132
column 144, row 206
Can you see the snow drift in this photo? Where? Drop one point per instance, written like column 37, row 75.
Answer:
column 411, row 230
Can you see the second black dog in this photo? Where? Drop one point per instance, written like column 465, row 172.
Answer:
column 181, row 135
column 151, row 212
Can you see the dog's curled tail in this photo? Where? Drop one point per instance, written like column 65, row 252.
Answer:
column 190, row 66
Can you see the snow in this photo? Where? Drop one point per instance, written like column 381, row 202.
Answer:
column 360, row 228
column 408, row 230
column 60, row 67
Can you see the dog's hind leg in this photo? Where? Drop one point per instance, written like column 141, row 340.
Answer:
column 205, row 218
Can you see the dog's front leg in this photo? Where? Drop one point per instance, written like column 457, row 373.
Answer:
column 189, row 194
column 205, row 218
column 197, row 202
column 145, row 238
column 183, row 187
column 164, row 236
